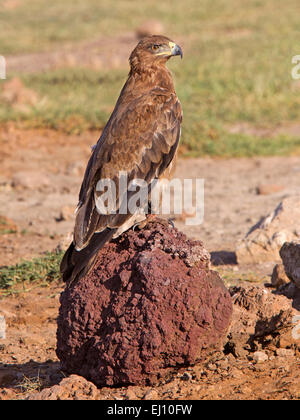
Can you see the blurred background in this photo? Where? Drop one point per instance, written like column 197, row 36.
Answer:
column 234, row 83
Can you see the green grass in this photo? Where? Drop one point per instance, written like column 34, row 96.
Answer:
column 71, row 100
column 44, row 269
column 233, row 278
column 236, row 67
column 36, row 25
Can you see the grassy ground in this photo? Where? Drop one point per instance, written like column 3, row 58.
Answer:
column 45, row 269
column 236, row 68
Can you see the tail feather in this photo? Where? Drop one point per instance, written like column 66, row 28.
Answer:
column 76, row 264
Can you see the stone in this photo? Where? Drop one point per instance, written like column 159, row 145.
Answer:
column 264, row 240
column 292, row 292
column 151, row 394
column 279, row 277
column 266, row 189
column 72, row 388
column 7, row 394
column 130, row 394
column 285, row 352
column 260, row 356
column 290, row 254
column 236, row 373
column 150, row 304
column 186, row 376
column 260, row 316
column 223, row 364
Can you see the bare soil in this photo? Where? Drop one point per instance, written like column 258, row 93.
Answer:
column 41, row 172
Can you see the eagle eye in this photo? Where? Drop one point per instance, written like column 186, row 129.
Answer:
column 155, row 47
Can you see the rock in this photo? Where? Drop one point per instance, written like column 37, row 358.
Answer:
column 285, row 352
column 236, row 373
column 7, row 394
column 290, row 254
column 150, row 304
column 266, row 189
column 259, row 317
column 223, row 364
column 292, row 292
column 72, row 388
column 260, row 356
column 186, row 376
column 150, row 27
column 279, row 276
column 264, row 240
column 151, row 394
column 211, row 366
column 130, row 394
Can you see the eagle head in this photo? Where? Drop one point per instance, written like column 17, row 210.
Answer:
column 153, row 51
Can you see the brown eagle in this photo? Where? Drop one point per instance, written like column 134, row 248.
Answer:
column 140, row 138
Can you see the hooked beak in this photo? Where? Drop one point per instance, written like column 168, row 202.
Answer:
column 175, row 49
column 170, row 51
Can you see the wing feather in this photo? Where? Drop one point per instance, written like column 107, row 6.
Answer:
column 141, row 139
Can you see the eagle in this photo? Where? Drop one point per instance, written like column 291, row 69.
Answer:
column 140, row 139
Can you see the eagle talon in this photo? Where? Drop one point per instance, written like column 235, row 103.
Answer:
column 135, row 226
column 171, row 222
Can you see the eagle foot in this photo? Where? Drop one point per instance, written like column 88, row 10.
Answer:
column 151, row 218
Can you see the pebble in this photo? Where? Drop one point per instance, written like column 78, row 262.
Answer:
column 260, row 356
column 285, row 352
column 186, row 376
column 236, row 373
column 150, row 395
column 266, row 189
column 279, row 276
column 211, row 366
column 223, row 364
column 130, row 394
